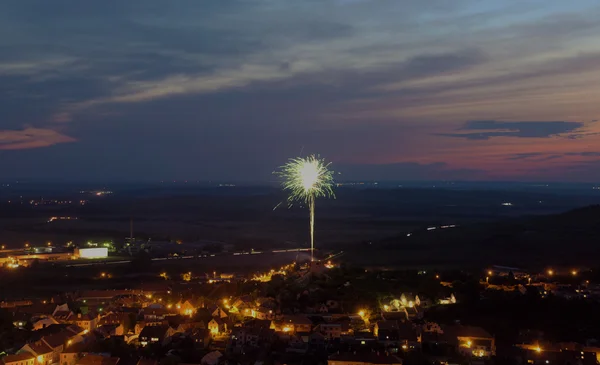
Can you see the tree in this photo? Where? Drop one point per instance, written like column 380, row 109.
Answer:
column 129, row 323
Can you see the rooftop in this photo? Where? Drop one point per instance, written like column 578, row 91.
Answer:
column 98, row 360
column 366, row 357
column 18, row 357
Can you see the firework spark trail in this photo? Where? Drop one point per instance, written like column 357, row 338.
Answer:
column 306, row 179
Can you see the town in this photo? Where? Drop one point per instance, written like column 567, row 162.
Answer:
column 324, row 312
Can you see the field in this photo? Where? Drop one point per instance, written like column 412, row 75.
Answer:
column 371, row 225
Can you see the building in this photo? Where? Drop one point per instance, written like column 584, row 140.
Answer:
column 57, row 342
column 220, row 313
column 217, row 326
column 40, row 350
column 200, row 336
column 471, row 341
column 250, row 337
column 409, row 300
column 71, row 354
column 156, row 314
column 86, row 321
column 293, row 324
column 367, row 358
column 97, row 360
column 24, row 358
column 263, row 313
column 43, row 323
column 186, row 308
column 155, row 334
column 330, row 330
column 91, row 253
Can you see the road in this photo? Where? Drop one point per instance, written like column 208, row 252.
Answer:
column 192, row 257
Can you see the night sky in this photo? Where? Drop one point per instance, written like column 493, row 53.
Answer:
column 229, row 89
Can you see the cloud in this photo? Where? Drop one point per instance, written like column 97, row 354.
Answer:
column 490, row 129
column 525, row 156
column 239, row 85
column 31, row 138
column 547, row 156
column 584, row 154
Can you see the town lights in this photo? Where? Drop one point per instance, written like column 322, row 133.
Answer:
column 538, row 349
column 550, row 272
column 361, row 313
column 574, row 272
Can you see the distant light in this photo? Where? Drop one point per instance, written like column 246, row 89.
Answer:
column 574, row 272
column 550, row 272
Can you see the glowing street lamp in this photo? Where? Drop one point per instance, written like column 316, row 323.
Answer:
column 550, row 272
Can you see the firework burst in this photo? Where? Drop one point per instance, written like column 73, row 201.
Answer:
column 306, row 179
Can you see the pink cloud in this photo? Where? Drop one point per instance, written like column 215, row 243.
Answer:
column 31, row 138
